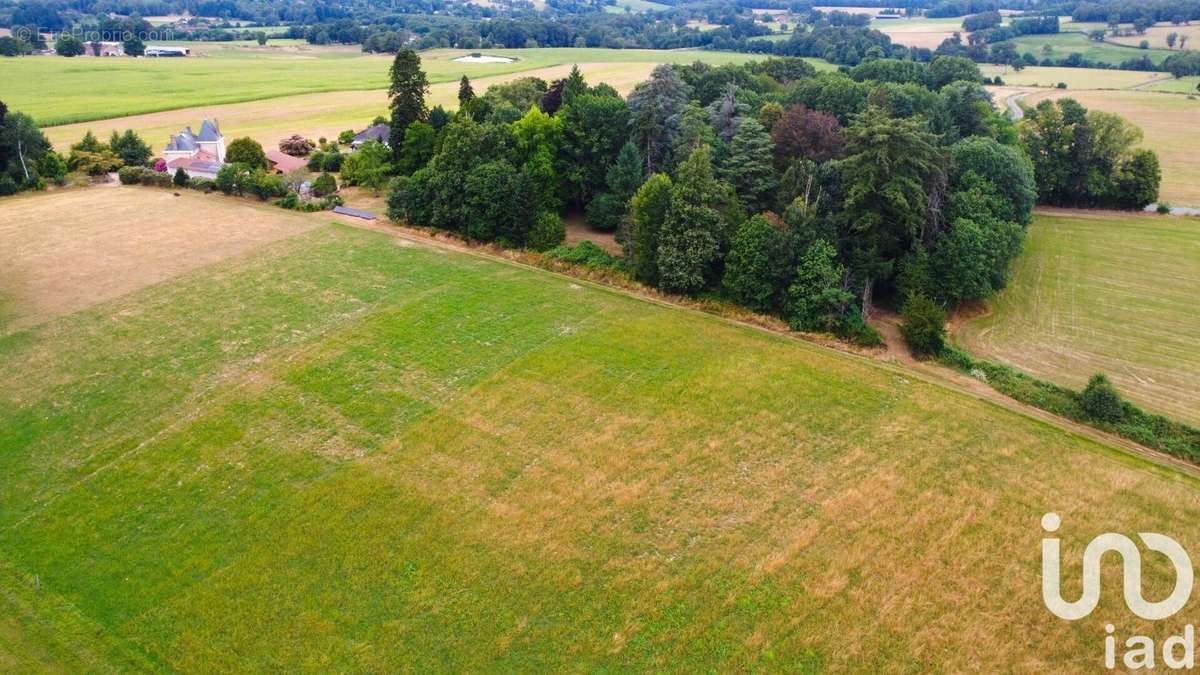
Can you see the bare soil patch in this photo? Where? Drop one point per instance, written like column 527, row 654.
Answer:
column 578, row 230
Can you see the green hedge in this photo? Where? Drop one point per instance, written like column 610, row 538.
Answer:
column 1152, row 431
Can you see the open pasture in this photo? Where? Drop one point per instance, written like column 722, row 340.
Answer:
column 321, row 115
column 636, row 6
column 91, row 246
column 1064, row 44
column 1182, row 85
column 1157, row 36
column 1169, row 123
column 93, row 89
column 1104, row 292
column 345, row 451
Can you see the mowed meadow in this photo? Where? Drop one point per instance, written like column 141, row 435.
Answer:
column 339, row 449
column 96, row 89
column 1104, row 292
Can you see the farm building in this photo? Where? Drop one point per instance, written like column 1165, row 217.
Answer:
column 161, row 50
column 376, row 132
column 282, row 162
column 103, row 49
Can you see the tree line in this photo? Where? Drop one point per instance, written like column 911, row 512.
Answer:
column 807, row 195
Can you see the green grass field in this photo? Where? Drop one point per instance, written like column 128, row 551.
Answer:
column 636, row 6
column 344, row 452
column 1182, row 85
column 1064, row 44
column 1104, row 293
column 94, row 89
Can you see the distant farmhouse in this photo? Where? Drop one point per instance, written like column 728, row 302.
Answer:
column 163, row 50
column 103, row 49
column 201, row 155
column 376, row 132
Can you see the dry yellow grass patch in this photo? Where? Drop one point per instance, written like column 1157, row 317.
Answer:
column 1074, row 78
column 68, row 250
column 1157, row 36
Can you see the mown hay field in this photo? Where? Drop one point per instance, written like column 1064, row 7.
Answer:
column 341, row 450
column 1157, row 36
column 1075, row 78
column 920, row 32
column 95, row 89
column 1104, row 292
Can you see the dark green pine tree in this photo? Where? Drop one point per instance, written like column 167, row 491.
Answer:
column 625, row 175
column 407, row 94
column 465, row 92
column 690, row 242
column 574, row 86
column 648, row 212
column 890, row 163
column 749, row 167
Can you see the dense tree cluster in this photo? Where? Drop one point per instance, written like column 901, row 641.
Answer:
column 810, row 196
column 1088, row 158
column 26, row 160
column 1129, row 11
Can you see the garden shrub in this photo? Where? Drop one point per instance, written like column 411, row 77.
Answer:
column 1101, row 401
column 130, row 175
column 924, row 326
column 325, row 184
column 585, row 253
column 547, row 232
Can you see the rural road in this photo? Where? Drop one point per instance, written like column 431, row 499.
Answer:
column 1014, row 104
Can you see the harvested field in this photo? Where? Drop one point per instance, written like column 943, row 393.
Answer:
column 1104, row 292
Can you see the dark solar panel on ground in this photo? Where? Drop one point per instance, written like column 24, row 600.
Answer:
column 357, row 213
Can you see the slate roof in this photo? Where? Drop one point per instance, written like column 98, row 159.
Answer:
column 187, row 140
column 184, row 140
column 378, row 132
column 210, row 131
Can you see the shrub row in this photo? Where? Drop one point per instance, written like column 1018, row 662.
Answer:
column 236, row 181
column 1098, row 405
